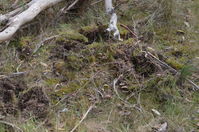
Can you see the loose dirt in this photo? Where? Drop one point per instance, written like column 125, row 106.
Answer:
column 17, row 99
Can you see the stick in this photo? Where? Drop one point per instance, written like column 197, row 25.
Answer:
column 85, row 115
column 127, row 28
column 96, row 2
column 69, row 7
column 126, row 102
column 12, row 125
column 40, row 44
column 114, row 86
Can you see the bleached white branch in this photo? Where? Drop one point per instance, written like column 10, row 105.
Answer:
column 85, row 115
column 113, row 19
column 15, row 22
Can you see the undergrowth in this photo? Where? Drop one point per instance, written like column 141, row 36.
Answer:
column 78, row 69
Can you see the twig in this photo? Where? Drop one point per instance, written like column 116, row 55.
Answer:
column 40, row 44
column 12, row 75
column 65, row 9
column 73, row 4
column 85, row 115
column 96, row 2
column 169, row 67
column 115, row 89
column 15, row 3
column 191, row 82
column 127, row 28
column 114, row 86
column 12, row 125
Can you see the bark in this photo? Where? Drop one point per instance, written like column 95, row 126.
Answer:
column 15, row 22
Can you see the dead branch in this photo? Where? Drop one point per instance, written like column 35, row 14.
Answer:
column 6, row 17
column 96, row 2
column 15, row 3
column 40, row 44
column 115, row 81
column 15, row 22
column 127, row 28
column 66, row 9
column 84, row 117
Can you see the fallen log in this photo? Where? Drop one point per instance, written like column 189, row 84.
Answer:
column 15, row 22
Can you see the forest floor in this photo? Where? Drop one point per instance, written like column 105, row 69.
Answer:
column 56, row 75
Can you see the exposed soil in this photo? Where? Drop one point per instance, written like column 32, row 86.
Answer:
column 14, row 100
column 144, row 66
column 9, row 92
column 63, row 47
column 35, row 102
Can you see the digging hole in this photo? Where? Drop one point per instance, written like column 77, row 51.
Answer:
column 144, row 66
column 95, row 33
column 16, row 98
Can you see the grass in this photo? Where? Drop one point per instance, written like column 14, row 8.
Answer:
column 77, row 74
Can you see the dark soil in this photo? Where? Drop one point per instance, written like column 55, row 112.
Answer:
column 35, row 101
column 9, row 92
column 14, row 101
column 144, row 66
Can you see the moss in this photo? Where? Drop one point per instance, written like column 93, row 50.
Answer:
column 59, row 66
column 52, row 81
column 187, row 50
column 92, row 59
column 69, row 88
column 174, row 63
column 74, row 62
column 89, row 29
column 24, row 41
column 153, row 82
column 74, row 35
column 95, row 45
column 2, row 128
column 149, row 101
column 66, row 32
column 123, row 32
column 195, row 97
column 129, row 41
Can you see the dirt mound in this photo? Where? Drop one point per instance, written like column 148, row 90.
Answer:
column 14, row 101
column 35, row 101
column 144, row 66
column 9, row 92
